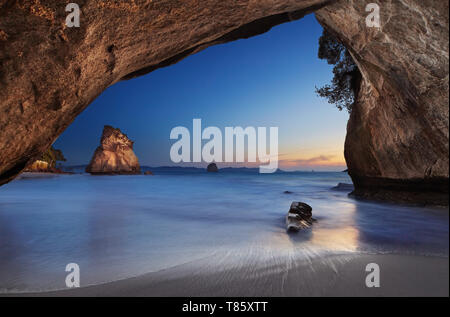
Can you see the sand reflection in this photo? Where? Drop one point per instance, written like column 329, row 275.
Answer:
column 345, row 239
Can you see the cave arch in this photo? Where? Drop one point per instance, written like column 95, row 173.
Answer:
column 397, row 136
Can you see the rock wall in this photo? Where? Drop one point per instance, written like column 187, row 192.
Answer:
column 397, row 136
column 114, row 155
column 38, row 166
column 397, row 144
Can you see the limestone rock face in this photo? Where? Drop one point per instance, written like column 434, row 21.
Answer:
column 38, row 166
column 397, row 135
column 114, row 155
column 44, row 167
column 397, row 140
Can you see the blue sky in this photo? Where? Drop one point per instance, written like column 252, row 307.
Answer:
column 268, row 80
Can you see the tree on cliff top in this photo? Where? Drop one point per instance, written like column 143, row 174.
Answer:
column 52, row 156
column 346, row 76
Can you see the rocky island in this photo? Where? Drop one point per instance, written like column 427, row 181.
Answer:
column 212, row 168
column 114, row 155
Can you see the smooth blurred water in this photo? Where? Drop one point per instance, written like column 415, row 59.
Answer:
column 115, row 227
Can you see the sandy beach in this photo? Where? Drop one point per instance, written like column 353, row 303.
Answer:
column 341, row 275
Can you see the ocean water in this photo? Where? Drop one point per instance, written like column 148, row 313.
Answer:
column 116, row 227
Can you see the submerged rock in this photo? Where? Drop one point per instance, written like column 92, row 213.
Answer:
column 148, row 173
column 212, row 168
column 114, row 155
column 343, row 187
column 299, row 216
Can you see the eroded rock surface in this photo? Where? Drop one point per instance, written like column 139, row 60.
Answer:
column 397, row 144
column 397, row 136
column 38, row 166
column 299, row 216
column 114, row 155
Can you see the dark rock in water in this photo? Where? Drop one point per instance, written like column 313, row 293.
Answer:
column 294, row 223
column 302, row 209
column 212, row 168
column 287, row 192
column 114, row 155
column 299, row 216
column 412, row 198
column 148, row 173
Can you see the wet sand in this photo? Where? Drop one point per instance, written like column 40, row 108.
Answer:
column 338, row 275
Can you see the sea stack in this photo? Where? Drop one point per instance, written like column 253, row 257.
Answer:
column 212, row 168
column 114, row 155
